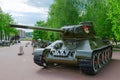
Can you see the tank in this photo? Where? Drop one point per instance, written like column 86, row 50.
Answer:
column 78, row 46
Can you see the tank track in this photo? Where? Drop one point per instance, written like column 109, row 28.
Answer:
column 98, row 60
column 37, row 60
column 40, row 61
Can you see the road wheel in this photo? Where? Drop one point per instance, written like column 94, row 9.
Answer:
column 95, row 63
column 101, row 58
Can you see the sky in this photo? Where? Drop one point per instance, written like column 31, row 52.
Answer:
column 26, row 12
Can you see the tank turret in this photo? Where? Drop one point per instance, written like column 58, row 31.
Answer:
column 81, row 31
column 78, row 47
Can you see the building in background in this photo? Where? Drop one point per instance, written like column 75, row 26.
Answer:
column 22, row 33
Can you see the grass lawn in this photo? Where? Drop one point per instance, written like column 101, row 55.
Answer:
column 116, row 49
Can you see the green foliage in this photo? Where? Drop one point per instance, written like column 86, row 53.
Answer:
column 114, row 17
column 62, row 12
column 37, row 34
column 105, row 14
column 96, row 11
column 5, row 20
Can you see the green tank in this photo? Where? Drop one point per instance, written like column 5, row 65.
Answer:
column 78, row 46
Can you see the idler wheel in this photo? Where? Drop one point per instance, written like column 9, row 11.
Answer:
column 109, row 55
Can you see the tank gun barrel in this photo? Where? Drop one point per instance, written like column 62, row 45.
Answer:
column 34, row 27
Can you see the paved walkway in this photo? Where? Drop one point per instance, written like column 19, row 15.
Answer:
column 14, row 67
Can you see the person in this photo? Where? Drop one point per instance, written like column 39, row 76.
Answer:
column 32, row 42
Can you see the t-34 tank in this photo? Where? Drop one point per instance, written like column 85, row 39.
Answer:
column 78, row 47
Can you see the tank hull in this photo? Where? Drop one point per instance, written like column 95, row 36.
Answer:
column 85, row 55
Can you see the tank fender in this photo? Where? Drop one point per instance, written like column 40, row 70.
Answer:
column 84, row 54
column 38, row 52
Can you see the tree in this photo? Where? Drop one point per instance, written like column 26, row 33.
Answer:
column 62, row 12
column 96, row 11
column 37, row 34
column 114, row 17
column 5, row 30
